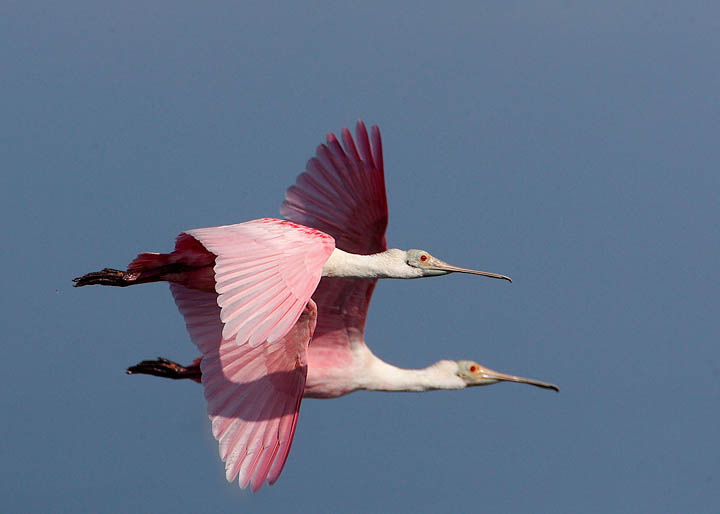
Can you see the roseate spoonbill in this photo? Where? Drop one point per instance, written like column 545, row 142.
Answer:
column 266, row 270
column 244, row 291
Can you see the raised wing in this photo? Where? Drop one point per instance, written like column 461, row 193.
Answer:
column 342, row 193
column 265, row 272
column 253, row 393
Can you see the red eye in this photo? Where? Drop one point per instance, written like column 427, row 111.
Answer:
column 473, row 368
column 423, row 258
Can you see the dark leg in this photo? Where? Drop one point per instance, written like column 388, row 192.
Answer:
column 174, row 272
column 107, row 277
column 167, row 369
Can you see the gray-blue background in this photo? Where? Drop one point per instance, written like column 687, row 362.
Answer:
column 572, row 147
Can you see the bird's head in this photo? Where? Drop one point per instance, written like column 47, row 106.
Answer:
column 430, row 266
column 473, row 374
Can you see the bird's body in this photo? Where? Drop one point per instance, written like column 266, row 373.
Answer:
column 278, row 307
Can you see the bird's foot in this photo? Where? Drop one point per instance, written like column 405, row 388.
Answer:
column 167, row 369
column 106, row 277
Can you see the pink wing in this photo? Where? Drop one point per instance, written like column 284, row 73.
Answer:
column 265, row 272
column 342, row 193
column 253, row 393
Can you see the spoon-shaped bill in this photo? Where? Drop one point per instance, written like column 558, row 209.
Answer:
column 496, row 376
column 439, row 265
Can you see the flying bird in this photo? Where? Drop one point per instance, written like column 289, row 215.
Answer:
column 245, row 293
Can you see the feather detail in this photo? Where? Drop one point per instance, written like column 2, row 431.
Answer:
column 253, row 392
column 265, row 272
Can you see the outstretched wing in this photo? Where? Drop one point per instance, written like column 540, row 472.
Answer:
column 253, row 393
column 342, row 193
column 265, row 272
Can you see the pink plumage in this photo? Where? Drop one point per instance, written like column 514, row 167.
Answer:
column 342, row 193
column 357, row 219
column 245, row 293
column 253, row 392
column 265, row 271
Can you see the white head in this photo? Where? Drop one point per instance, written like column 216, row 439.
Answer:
column 444, row 374
column 429, row 266
column 393, row 263
column 473, row 374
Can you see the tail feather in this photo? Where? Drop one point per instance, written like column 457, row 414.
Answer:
column 148, row 261
column 188, row 251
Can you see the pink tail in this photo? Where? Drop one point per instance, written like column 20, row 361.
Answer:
column 149, row 261
column 188, row 253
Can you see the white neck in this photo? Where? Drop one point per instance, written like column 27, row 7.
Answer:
column 381, row 376
column 389, row 264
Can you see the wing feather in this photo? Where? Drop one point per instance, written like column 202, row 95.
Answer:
column 342, row 193
column 265, row 272
column 253, row 392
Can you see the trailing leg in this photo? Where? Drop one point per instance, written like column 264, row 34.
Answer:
column 175, row 272
column 107, row 277
column 190, row 265
column 167, row 369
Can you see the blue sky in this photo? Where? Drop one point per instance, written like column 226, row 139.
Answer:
column 571, row 146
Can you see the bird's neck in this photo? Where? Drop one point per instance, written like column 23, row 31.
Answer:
column 382, row 376
column 388, row 264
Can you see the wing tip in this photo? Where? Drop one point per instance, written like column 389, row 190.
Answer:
column 331, row 138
